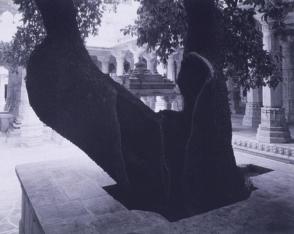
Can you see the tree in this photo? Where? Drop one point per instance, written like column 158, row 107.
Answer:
column 162, row 25
column 171, row 161
column 32, row 32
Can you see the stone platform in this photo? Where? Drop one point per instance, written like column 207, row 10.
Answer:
column 66, row 196
column 270, row 209
column 244, row 140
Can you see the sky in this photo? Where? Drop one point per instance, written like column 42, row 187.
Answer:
column 109, row 30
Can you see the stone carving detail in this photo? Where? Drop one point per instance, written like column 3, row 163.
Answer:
column 280, row 152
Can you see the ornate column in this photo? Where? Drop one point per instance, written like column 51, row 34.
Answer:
column 273, row 127
column 13, row 92
column 253, row 108
column 136, row 59
column 168, row 102
column 152, row 102
column 119, row 65
column 171, row 68
column 160, row 103
column 105, row 65
column 288, row 75
column 31, row 129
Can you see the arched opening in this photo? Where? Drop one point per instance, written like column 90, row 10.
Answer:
column 112, row 65
column 127, row 67
column 129, row 62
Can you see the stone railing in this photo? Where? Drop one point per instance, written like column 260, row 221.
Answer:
column 281, row 152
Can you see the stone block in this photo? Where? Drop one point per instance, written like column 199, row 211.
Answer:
column 64, row 197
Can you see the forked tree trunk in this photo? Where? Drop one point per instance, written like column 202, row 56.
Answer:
column 127, row 139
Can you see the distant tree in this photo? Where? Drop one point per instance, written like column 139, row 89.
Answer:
column 32, row 32
column 163, row 26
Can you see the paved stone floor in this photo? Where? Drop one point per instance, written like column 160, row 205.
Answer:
column 10, row 192
column 272, row 205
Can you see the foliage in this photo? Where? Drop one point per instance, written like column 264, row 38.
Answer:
column 32, row 32
column 162, row 26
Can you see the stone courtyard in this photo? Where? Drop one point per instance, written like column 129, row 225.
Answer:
column 263, row 133
column 270, row 209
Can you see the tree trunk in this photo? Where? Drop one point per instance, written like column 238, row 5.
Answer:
column 205, row 30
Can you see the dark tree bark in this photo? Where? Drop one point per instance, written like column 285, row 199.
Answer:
column 210, row 175
column 205, row 30
column 71, row 95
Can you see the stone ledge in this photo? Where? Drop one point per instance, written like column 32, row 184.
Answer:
column 280, row 152
column 67, row 197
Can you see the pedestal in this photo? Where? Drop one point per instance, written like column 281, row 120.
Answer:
column 253, row 108
column 67, row 196
column 273, row 127
column 31, row 129
column 252, row 114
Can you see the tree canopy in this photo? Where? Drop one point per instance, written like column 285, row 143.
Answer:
column 162, row 25
column 32, row 32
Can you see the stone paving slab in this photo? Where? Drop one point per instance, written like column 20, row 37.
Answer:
column 269, row 209
column 76, row 201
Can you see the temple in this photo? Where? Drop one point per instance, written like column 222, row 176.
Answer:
column 63, row 190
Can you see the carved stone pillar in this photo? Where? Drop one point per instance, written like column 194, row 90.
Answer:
column 136, row 59
column 171, row 68
column 13, row 92
column 31, row 129
column 273, row 127
column 288, row 76
column 168, row 102
column 152, row 102
column 120, row 65
column 105, row 66
column 253, row 108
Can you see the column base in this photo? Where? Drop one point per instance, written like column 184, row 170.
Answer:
column 290, row 111
column 273, row 127
column 252, row 115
